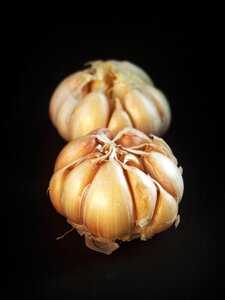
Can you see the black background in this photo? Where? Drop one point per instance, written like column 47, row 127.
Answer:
column 179, row 263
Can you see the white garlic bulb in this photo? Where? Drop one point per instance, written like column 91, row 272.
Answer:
column 118, row 188
column 109, row 94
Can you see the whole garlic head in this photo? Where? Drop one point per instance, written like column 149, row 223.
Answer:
column 110, row 94
column 119, row 188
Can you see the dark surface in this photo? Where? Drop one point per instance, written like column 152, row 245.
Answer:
column 179, row 263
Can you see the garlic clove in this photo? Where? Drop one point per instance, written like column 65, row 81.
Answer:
column 120, row 89
column 144, row 195
column 108, row 207
column 165, row 171
column 103, row 132
column 119, row 119
column 159, row 145
column 132, row 160
column 127, row 73
column 162, row 105
column 74, row 187
column 68, row 89
column 59, row 96
column 164, row 216
column 130, row 137
column 63, row 117
column 143, row 112
column 75, row 150
column 134, row 69
column 55, row 189
column 91, row 113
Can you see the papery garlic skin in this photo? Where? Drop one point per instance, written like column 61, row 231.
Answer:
column 117, row 188
column 113, row 94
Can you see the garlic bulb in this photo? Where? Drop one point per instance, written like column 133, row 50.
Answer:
column 109, row 94
column 119, row 188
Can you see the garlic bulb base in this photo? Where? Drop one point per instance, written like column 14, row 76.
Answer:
column 98, row 244
column 107, row 246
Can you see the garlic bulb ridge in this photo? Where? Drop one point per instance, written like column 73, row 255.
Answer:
column 119, row 187
column 110, row 94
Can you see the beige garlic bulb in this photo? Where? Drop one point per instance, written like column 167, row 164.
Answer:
column 110, row 94
column 119, row 188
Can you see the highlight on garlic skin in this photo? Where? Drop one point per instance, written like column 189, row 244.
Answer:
column 117, row 189
column 112, row 94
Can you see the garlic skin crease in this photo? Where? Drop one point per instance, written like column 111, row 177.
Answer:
column 113, row 94
column 117, row 189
